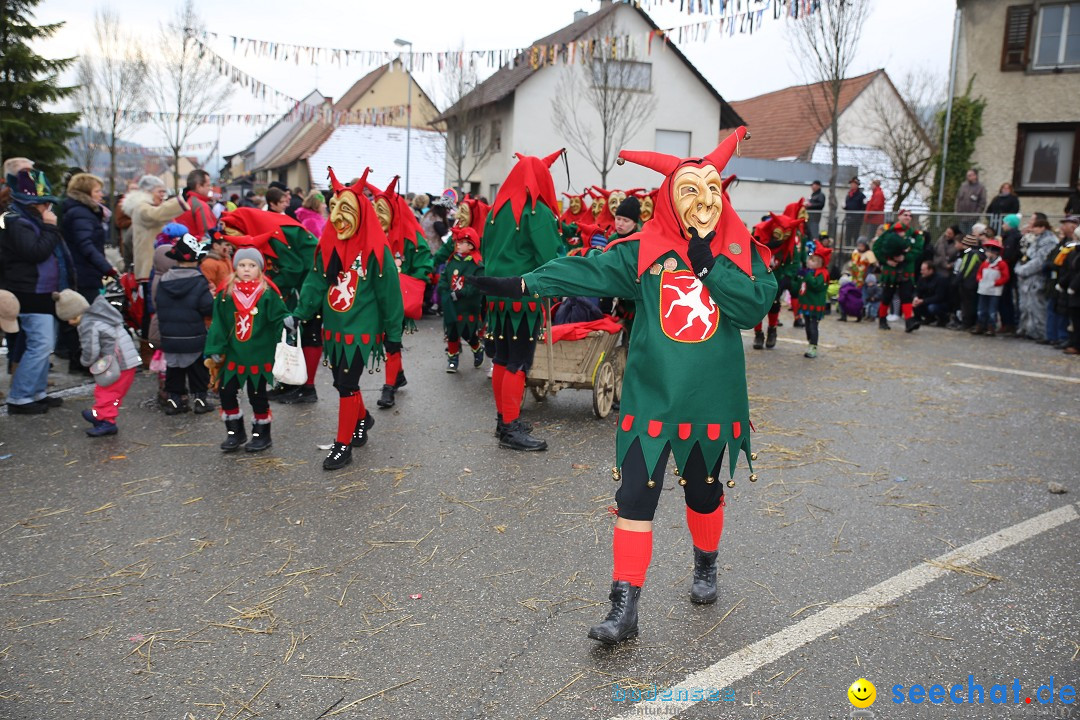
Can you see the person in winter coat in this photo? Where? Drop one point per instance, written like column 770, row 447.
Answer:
column 199, row 218
column 312, row 214
column 814, row 205
column 1069, row 291
column 102, row 334
column 931, row 295
column 1006, row 203
column 83, row 229
column 184, row 303
column 992, row 276
column 149, row 212
column 1039, row 242
column 970, row 201
column 217, row 265
column 945, row 249
column 854, row 208
column 875, row 208
column 966, row 277
column 1010, row 253
column 36, row 263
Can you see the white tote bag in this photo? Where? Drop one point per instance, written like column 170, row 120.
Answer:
column 289, row 366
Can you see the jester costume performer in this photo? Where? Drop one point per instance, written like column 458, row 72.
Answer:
column 576, row 224
column 603, row 214
column 289, row 250
column 461, row 303
column 698, row 278
column 521, row 235
column 782, row 234
column 648, row 204
column 812, row 296
column 412, row 256
column 899, row 250
column 354, row 285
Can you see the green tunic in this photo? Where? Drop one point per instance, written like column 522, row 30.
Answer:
column 252, row 358
column 356, row 309
column 510, row 250
column 812, row 294
column 890, row 244
column 685, row 380
column 790, row 268
column 289, row 269
column 417, row 261
column 464, row 314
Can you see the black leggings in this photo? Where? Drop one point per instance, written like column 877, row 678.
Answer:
column 811, row 329
column 783, row 284
column 637, row 501
column 347, row 376
column 473, row 340
column 195, row 376
column 907, row 294
column 516, row 354
column 230, row 396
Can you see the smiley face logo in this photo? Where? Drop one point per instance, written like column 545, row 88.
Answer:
column 862, row 693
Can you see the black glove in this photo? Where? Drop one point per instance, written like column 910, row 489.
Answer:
column 391, row 347
column 700, row 254
column 508, row 287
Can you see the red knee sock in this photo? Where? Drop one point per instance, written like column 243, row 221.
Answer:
column 632, row 553
column 757, row 328
column 312, row 355
column 706, row 529
column 393, row 367
column 882, row 310
column 498, row 372
column 795, row 304
column 907, row 311
column 513, row 388
column 453, row 347
column 774, row 319
column 349, row 409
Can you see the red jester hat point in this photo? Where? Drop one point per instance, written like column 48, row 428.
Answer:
column 529, row 178
column 665, row 233
column 369, row 238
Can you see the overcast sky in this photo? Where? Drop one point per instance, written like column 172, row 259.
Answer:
column 901, row 36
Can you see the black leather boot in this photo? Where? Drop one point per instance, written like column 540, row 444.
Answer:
column 912, row 324
column 260, row 438
column 516, row 437
column 175, row 405
column 386, row 400
column 400, row 381
column 621, row 621
column 883, row 324
column 359, row 437
column 500, row 426
column 703, row 591
column 236, row 436
column 201, row 404
column 759, row 340
column 340, row 456
column 770, row 338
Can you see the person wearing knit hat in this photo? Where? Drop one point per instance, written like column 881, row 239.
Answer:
column 969, row 261
column 9, row 313
column 249, row 253
column 630, row 212
column 70, row 305
column 698, row 278
column 184, row 301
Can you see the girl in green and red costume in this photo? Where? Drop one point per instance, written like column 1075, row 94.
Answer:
column 698, row 278
column 461, row 303
column 413, row 259
column 354, row 286
column 289, row 250
column 240, row 344
column 521, row 234
column 814, row 279
column 899, row 250
column 782, row 234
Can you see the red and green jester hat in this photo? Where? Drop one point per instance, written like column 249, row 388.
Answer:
column 287, row 246
column 685, row 379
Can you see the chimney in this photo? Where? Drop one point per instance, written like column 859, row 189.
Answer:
column 580, row 15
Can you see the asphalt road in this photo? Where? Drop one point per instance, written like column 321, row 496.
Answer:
column 149, row 575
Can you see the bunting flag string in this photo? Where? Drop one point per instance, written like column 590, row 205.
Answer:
column 139, row 150
column 387, row 115
column 732, row 16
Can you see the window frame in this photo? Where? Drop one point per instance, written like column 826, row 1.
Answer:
column 1023, row 130
column 600, row 63
column 478, row 138
column 1033, row 56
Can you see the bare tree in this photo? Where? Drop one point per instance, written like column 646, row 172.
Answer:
column 825, row 43
column 601, row 102
column 112, row 84
column 186, row 85
column 469, row 143
column 906, row 132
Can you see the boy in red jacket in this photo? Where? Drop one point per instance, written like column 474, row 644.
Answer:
column 992, row 275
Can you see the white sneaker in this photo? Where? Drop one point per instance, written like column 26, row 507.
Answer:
column 491, row 369
column 892, row 318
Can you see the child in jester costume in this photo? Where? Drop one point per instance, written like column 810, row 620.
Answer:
column 899, row 250
column 814, row 279
column 413, row 259
column 782, row 234
column 699, row 278
column 461, row 303
column 240, row 344
column 289, row 251
column 521, row 234
column 354, row 286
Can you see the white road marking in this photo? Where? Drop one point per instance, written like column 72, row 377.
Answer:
column 744, row 662
column 1025, row 373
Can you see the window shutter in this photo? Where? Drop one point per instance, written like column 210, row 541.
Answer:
column 1014, row 54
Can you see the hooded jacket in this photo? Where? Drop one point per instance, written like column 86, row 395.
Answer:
column 34, row 261
column 102, row 332
column 147, row 220
column 82, row 229
column 183, row 304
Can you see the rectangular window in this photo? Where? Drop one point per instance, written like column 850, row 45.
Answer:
column 477, row 138
column 1047, row 158
column 1014, row 53
column 1058, row 36
column 622, row 74
column 673, row 142
column 496, row 135
column 493, row 190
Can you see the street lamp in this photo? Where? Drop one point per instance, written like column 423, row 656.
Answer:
column 408, row 110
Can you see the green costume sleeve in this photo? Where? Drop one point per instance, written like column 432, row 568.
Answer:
column 417, row 262
column 608, row 274
column 743, row 299
column 220, row 326
column 275, row 311
column 814, row 282
column 443, row 254
column 312, row 293
column 387, row 297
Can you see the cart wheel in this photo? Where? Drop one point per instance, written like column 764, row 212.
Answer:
column 619, row 359
column 603, row 396
column 537, row 392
